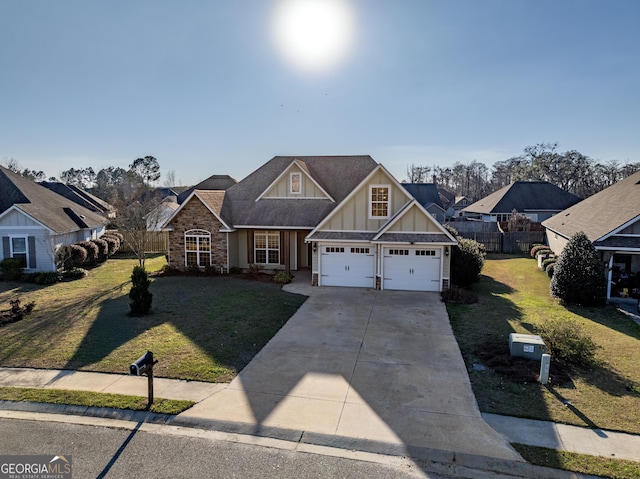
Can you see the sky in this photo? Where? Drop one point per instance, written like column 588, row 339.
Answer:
column 220, row 87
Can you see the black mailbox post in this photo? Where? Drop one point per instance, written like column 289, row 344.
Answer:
column 144, row 365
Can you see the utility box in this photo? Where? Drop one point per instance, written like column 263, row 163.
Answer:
column 527, row 346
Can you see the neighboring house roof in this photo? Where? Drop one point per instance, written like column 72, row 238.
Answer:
column 214, row 182
column 337, row 175
column 602, row 214
column 50, row 209
column 447, row 198
column 212, row 199
column 81, row 197
column 524, row 196
column 425, row 193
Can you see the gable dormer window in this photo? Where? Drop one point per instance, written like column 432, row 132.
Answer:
column 379, row 198
column 295, row 183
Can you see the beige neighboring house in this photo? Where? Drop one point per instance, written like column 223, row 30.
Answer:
column 35, row 222
column 611, row 221
column 345, row 218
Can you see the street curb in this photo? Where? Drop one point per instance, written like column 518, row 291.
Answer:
column 430, row 460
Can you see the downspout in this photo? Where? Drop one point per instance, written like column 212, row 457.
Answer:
column 609, row 276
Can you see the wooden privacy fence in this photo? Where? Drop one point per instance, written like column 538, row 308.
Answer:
column 157, row 241
column 509, row 242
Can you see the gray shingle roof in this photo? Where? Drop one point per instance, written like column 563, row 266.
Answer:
column 414, row 238
column 214, row 182
column 79, row 196
column 524, row 196
column 51, row 209
column 338, row 175
column 602, row 213
column 343, row 235
column 425, row 193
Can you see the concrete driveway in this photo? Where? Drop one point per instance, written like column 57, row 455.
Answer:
column 360, row 365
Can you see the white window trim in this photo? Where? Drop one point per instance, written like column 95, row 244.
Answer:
column 266, row 249
column 26, row 247
column 291, row 175
column 370, row 202
column 197, row 234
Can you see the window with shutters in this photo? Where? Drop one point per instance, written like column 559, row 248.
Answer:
column 19, row 249
column 267, row 247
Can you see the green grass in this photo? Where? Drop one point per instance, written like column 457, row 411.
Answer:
column 514, row 297
column 201, row 328
column 89, row 398
column 581, row 463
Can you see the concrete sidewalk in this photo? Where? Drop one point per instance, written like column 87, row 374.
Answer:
column 581, row 440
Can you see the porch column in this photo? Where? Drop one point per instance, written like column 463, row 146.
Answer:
column 609, row 276
column 287, row 252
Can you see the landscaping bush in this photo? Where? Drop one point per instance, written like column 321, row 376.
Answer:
column 550, row 270
column 115, row 234
column 17, row 311
column 235, row 270
column 11, row 268
column 93, row 252
column 467, row 260
column 548, row 262
column 536, row 249
column 567, row 341
column 77, row 255
column 103, row 249
column 282, row 278
column 113, row 244
column 43, row 278
column 140, row 296
column 211, row 270
column 74, row 273
column 458, row 295
column 254, row 269
column 578, row 277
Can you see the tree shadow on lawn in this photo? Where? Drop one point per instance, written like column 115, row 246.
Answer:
column 205, row 328
column 608, row 316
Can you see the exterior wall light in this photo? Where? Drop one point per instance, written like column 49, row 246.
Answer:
column 446, row 251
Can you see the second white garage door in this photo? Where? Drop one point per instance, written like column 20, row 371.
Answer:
column 412, row 269
column 347, row 265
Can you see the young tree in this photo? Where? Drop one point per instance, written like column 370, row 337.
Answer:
column 467, row 260
column 139, row 294
column 578, row 276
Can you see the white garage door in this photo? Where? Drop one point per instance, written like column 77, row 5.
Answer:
column 347, row 265
column 413, row 269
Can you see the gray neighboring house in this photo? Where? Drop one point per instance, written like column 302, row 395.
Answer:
column 35, row 222
column 81, row 197
column 611, row 221
column 345, row 218
column 428, row 196
column 537, row 200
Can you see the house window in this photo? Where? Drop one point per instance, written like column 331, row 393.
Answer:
column 19, row 249
column 197, row 245
column 360, row 250
column 267, row 247
column 425, row 252
column 296, row 183
column 379, row 201
column 334, row 249
column 399, row 252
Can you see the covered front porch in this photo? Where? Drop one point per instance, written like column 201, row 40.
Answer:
column 623, row 274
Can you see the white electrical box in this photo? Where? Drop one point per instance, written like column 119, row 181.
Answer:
column 527, row 346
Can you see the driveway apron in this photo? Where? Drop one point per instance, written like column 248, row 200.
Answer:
column 370, row 365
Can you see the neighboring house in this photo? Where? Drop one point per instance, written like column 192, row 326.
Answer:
column 35, row 222
column 452, row 204
column 214, row 182
column 81, row 197
column 611, row 220
column 427, row 195
column 344, row 217
column 537, row 200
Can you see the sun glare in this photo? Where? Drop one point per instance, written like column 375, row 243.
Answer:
column 314, row 35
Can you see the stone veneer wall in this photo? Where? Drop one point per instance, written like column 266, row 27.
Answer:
column 195, row 215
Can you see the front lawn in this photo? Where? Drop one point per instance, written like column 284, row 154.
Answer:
column 201, row 328
column 514, row 297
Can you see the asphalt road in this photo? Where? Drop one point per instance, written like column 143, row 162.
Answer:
column 161, row 451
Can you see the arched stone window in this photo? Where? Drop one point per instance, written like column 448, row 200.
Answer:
column 197, row 245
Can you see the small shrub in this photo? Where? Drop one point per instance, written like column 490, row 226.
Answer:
column 534, row 251
column 169, row 270
column 78, row 255
column 467, row 261
column 543, row 251
column 93, row 252
column 550, row 270
column 74, row 273
column 255, row 268
column 11, row 268
column 113, row 244
column 458, row 295
column 103, row 249
column 211, row 270
column 568, row 342
column 139, row 294
column 235, row 270
column 193, row 270
column 548, row 262
column 282, row 278
column 116, row 234
column 43, row 278
column 17, row 311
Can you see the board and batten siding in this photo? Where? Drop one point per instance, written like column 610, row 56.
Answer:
column 415, row 221
column 354, row 214
column 282, row 189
